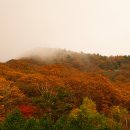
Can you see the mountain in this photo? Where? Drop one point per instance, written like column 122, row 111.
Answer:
column 56, row 81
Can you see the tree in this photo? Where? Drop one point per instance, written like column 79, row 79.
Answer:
column 120, row 114
column 86, row 117
column 14, row 121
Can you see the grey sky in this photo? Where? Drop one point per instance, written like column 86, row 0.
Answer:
column 92, row 26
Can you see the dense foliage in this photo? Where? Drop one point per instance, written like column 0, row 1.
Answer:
column 84, row 118
column 68, row 91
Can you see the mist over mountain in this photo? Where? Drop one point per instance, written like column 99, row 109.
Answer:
column 77, row 59
column 45, row 54
column 56, row 82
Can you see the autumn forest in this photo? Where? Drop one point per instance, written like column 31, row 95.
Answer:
column 65, row 90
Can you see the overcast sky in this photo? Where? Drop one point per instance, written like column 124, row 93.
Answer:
column 92, row 26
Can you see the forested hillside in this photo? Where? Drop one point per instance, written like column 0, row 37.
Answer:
column 55, row 89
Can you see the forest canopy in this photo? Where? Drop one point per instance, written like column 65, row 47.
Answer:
column 67, row 87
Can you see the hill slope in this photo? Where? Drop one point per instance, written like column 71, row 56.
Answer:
column 58, row 84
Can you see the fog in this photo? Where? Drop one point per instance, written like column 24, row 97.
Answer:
column 91, row 26
column 46, row 54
